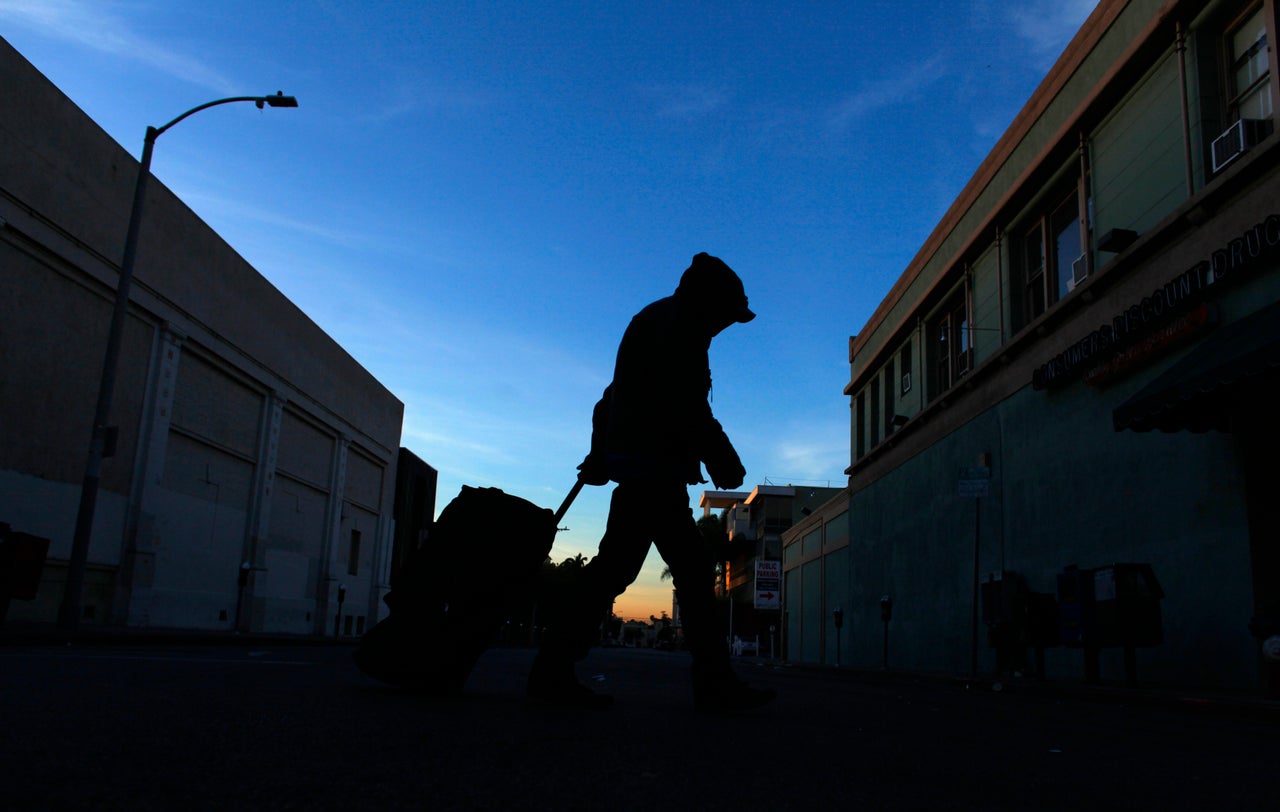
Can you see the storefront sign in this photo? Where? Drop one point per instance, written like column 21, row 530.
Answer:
column 1171, row 335
column 1137, row 322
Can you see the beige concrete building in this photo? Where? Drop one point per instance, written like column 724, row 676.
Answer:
column 246, row 435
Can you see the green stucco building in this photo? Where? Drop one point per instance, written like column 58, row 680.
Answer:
column 1076, row 371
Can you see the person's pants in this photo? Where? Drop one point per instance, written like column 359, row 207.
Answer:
column 644, row 512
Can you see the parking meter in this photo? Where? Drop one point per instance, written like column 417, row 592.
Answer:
column 337, row 618
column 838, row 615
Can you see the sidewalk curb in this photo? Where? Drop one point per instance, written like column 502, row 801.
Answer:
column 1169, row 698
column 1186, row 700
column 48, row 635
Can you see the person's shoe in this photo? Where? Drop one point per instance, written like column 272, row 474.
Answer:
column 728, row 697
column 390, row 653
column 552, row 682
column 568, row 695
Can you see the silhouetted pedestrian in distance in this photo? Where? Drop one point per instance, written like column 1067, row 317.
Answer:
column 652, row 432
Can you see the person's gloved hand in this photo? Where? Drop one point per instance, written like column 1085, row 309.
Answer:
column 724, row 467
column 593, row 470
column 727, row 478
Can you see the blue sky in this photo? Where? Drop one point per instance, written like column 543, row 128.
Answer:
column 474, row 198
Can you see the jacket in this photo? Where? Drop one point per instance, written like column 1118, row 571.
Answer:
column 654, row 420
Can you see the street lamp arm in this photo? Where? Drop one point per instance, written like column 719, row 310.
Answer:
column 278, row 100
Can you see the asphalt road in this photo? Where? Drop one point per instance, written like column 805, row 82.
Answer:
column 167, row 727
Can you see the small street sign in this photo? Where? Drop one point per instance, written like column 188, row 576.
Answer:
column 768, row 584
column 975, row 483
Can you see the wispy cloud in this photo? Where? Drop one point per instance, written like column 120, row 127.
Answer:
column 810, row 454
column 875, row 96
column 452, row 444
column 92, row 25
column 394, row 101
column 224, row 207
column 812, row 462
column 686, row 101
column 1048, row 25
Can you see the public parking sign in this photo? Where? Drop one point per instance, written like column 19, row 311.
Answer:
column 768, row 584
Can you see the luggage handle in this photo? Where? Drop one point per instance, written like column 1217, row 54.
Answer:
column 568, row 500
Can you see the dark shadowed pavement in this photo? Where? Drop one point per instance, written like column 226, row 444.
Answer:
column 270, row 726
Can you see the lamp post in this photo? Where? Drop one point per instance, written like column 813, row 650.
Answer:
column 838, row 615
column 102, row 441
column 886, row 613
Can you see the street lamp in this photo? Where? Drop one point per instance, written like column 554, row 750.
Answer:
column 886, row 613
column 69, row 610
column 838, row 615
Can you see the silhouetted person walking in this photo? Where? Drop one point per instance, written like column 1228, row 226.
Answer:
column 652, row 432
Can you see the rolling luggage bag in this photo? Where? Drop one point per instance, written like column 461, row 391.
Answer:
column 486, row 548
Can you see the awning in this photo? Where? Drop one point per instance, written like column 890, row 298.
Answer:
column 1236, row 365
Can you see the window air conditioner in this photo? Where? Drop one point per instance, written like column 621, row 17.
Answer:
column 1079, row 271
column 1237, row 140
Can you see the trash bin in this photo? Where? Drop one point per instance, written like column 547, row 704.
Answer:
column 1004, row 610
column 1115, row 605
column 1042, row 626
column 1004, row 600
column 1127, row 605
column 22, row 558
column 1042, row 620
column 1075, row 607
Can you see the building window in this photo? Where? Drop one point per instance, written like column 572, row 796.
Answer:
column 1249, row 77
column 875, row 411
column 890, row 386
column 905, row 363
column 949, row 352
column 1052, row 255
column 353, row 556
column 860, row 432
column 1067, row 246
column 1241, row 74
column 1033, row 272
